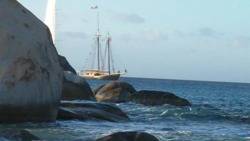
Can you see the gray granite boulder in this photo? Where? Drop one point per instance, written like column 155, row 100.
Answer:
column 152, row 98
column 129, row 136
column 76, row 88
column 91, row 111
column 17, row 135
column 30, row 74
column 66, row 65
column 114, row 91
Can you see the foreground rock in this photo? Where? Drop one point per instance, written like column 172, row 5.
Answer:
column 30, row 74
column 76, row 88
column 91, row 111
column 65, row 64
column 114, row 91
column 158, row 98
column 17, row 135
column 129, row 136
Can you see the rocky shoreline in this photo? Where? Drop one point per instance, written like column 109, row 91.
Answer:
column 39, row 85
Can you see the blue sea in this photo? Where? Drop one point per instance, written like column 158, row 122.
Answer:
column 220, row 112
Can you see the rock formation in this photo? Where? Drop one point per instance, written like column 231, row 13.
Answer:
column 30, row 74
column 17, row 135
column 91, row 111
column 76, row 88
column 117, row 92
column 114, row 91
column 129, row 136
column 65, row 64
column 152, row 98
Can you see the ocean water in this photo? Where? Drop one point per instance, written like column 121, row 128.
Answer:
column 220, row 112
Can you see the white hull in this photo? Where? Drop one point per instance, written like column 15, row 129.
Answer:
column 104, row 77
column 100, row 75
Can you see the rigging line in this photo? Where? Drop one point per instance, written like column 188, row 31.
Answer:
column 101, row 57
column 105, row 57
column 93, row 57
column 112, row 60
column 89, row 61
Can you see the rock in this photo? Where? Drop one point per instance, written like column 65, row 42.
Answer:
column 65, row 64
column 114, row 91
column 76, row 88
column 129, row 136
column 91, row 111
column 158, row 98
column 17, row 135
column 117, row 91
column 30, row 74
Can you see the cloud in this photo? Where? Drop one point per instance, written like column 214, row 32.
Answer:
column 70, row 34
column 241, row 41
column 145, row 35
column 129, row 18
column 208, row 32
column 154, row 35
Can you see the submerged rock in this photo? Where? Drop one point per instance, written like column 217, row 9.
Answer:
column 17, row 135
column 76, row 88
column 147, row 97
column 66, row 65
column 30, row 74
column 129, row 136
column 114, row 91
column 91, row 111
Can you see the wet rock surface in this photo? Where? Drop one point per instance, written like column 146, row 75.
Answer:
column 114, row 91
column 17, row 135
column 147, row 97
column 129, row 136
column 91, row 111
column 117, row 92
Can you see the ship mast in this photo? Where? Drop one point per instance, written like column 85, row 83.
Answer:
column 109, row 55
column 98, row 36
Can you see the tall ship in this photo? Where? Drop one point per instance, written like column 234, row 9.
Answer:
column 102, row 63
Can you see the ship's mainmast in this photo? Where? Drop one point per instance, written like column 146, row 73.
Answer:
column 109, row 53
column 98, row 36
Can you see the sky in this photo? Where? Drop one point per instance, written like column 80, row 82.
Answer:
column 170, row 39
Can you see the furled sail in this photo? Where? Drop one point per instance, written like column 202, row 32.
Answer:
column 50, row 17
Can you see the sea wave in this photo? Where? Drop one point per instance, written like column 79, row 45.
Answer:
column 198, row 112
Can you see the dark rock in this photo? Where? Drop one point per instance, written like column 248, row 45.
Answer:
column 17, row 135
column 91, row 111
column 30, row 73
column 129, row 136
column 114, row 91
column 117, row 91
column 65, row 64
column 147, row 97
column 76, row 88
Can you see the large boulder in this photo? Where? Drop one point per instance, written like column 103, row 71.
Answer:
column 147, row 97
column 76, row 88
column 114, row 91
column 17, row 135
column 30, row 74
column 91, row 111
column 129, row 136
column 65, row 64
